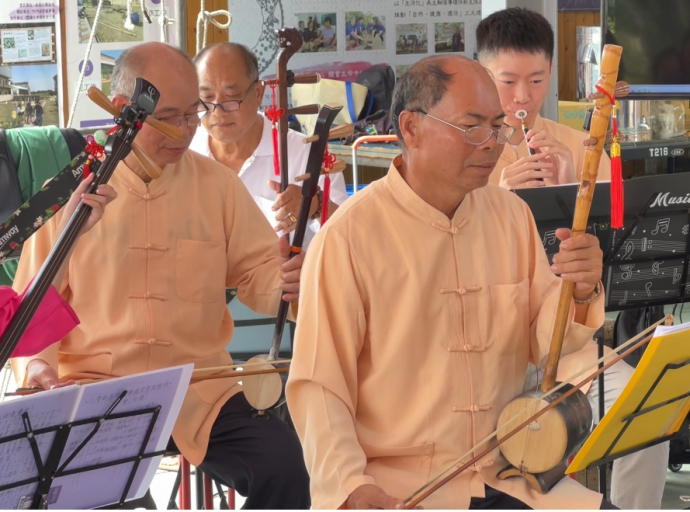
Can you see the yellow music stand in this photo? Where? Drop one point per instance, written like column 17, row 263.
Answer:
column 651, row 408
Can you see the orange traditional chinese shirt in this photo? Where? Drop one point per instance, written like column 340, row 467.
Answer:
column 414, row 332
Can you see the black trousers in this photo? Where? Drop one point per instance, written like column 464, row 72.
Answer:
column 497, row 500
column 258, row 456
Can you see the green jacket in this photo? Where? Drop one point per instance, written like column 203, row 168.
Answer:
column 39, row 154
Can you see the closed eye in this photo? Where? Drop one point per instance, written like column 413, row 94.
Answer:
column 508, row 82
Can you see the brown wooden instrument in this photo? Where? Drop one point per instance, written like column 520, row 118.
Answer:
column 548, row 443
column 149, row 166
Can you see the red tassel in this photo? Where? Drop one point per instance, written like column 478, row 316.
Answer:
column 326, row 198
column 617, row 200
column 273, row 114
column 328, row 163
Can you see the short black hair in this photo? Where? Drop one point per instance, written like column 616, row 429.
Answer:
column 328, row 19
column 515, row 29
column 421, row 87
column 251, row 64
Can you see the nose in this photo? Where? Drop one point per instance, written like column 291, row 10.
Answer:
column 521, row 94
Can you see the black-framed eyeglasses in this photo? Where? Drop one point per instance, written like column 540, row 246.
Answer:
column 477, row 135
column 192, row 120
column 230, row 105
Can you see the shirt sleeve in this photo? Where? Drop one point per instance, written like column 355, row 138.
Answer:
column 253, row 260
column 322, row 387
column 545, row 289
column 34, row 253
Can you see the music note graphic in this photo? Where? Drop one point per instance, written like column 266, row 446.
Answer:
column 627, row 270
column 676, row 275
column 655, row 267
column 647, row 288
column 549, row 238
column 661, row 224
column 629, row 248
column 624, row 300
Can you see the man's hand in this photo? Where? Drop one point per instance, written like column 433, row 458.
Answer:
column 579, row 260
column 372, row 497
column 104, row 195
column 40, row 374
column 524, row 172
column 287, row 207
column 561, row 156
column 290, row 270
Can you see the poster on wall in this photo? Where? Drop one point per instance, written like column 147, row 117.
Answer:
column 24, row 45
column 114, row 32
column 344, row 38
column 28, row 11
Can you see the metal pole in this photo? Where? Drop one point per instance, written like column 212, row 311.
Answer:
column 181, row 24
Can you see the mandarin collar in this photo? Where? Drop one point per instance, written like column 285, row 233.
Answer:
column 403, row 193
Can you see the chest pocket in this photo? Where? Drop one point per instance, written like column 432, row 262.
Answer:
column 510, row 309
column 200, row 269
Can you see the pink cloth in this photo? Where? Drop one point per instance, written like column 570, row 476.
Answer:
column 52, row 321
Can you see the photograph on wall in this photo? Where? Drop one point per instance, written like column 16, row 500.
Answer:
column 411, row 38
column 318, row 31
column 108, row 58
column 114, row 26
column 28, row 96
column 27, row 45
column 364, row 31
column 450, row 37
column 401, row 69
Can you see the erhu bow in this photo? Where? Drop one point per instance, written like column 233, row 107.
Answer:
column 129, row 120
column 538, row 450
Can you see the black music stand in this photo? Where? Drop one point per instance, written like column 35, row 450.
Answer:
column 51, row 470
column 646, row 263
column 654, row 207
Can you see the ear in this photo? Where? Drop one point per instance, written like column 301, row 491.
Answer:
column 120, row 101
column 409, row 128
column 260, row 89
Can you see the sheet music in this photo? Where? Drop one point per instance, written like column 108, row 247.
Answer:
column 45, row 409
column 662, row 330
column 121, row 438
column 115, row 439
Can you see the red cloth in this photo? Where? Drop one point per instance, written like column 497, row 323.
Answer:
column 53, row 320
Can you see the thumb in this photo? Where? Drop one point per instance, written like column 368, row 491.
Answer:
column 274, row 186
column 562, row 234
column 283, row 247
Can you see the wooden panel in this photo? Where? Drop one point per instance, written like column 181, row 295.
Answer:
column 568, row 21
column 215, row 35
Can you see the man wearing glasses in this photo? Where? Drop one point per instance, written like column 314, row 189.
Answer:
column 148, row 283
column 422, row 302
column 235, row 134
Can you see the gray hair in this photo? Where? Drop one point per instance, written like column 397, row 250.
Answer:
column 251, row 64
column 421, row 87
column 130, row 65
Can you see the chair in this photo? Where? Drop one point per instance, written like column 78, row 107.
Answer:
column 204, row 489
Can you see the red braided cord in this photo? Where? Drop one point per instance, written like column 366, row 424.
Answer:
column 273, row 114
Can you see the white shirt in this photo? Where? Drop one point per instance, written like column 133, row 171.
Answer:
column 257, row 170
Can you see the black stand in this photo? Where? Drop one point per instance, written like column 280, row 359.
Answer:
column 640, row 410
column 647, row 263
column 50, row 470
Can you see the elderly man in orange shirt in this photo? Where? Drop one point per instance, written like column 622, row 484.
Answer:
column 415, row 332
column 517, row 46
column 148, row 283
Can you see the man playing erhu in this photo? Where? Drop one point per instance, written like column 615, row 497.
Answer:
column 415, row 332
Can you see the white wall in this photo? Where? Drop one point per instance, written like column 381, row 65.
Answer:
column 548, row 9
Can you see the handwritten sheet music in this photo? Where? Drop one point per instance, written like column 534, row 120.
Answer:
column 45, row 409
column 116, row 439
